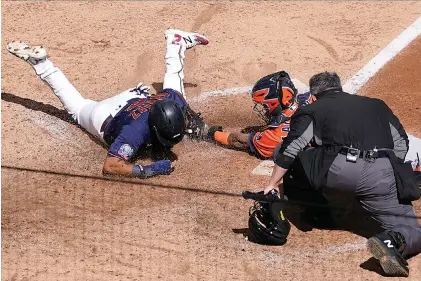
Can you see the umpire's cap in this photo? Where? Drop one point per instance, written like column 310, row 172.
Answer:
column 167, row 121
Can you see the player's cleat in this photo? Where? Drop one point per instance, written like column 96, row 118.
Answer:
column 189, row 39
column 30, row 54
column 387, row 247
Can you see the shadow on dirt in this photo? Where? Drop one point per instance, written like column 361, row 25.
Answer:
column 158, row 87
column 47, row 109
column 336, row 215
column 38, row 106
column 248, row 130
column 373, row 265
column 143, row 183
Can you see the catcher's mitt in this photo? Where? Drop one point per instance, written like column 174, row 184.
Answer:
column 197, row 128
column 195, row 124
column 267, row 224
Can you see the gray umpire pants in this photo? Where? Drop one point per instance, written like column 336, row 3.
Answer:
column 374, row 186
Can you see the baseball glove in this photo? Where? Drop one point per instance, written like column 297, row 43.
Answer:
column 197, row 128
column 195, row 124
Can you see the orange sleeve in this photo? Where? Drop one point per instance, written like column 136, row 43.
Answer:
column 265, row 142
column 222, row 137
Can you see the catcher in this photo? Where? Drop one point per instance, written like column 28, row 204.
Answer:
column 275, row 101
column 133, row 120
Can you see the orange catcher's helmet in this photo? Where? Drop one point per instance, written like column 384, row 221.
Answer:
column 272, row 94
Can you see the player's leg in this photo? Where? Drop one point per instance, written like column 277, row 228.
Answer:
column 71, row 99
column 402, row 237
column 177, row 42
column 378, row 194
column 89, row 114
column 312, row 204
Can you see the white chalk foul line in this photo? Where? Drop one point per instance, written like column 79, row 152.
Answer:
column 301, row 87
column 385, row 55
column 347, row 247
column 381, row 59
column 223, row 92
column 355, row 83
column 351, row 86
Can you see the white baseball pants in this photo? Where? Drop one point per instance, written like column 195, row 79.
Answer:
column 92, row 114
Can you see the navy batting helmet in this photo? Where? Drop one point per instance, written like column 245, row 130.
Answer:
column 167, row 121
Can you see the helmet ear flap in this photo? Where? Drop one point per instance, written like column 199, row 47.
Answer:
column 167, row 121
column 286, row 89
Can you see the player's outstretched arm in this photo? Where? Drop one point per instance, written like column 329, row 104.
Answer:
column 119, row 167
column 236, row 140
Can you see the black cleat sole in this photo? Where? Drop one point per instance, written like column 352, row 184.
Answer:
column 390, row 264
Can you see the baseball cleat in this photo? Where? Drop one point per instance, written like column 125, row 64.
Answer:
column 387, row 248
column 189, row 39
column 31, row 54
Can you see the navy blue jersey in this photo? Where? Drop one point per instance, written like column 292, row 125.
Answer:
column 128, row 131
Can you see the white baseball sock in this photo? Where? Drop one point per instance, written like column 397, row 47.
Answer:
column 174, row 74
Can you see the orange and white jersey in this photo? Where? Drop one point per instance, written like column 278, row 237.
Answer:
column 263, row 143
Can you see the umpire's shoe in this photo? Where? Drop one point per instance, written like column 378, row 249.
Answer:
column 387, row 247
column 30, row 54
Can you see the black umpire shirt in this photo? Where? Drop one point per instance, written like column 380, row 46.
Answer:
column 338, row 119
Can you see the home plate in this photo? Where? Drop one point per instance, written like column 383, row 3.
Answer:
column 264, row 168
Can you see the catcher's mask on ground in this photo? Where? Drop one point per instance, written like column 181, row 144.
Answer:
column 267, row 224
column 272, row 94
column 167, row 121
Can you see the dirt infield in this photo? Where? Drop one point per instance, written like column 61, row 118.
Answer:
column 399, row 85
column 61, row 220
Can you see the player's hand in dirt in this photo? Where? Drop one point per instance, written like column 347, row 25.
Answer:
column 196, row 127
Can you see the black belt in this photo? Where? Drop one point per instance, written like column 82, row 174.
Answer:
column 365, row 153
column 106, row 122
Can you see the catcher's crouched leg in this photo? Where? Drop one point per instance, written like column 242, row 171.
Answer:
column 312, row 205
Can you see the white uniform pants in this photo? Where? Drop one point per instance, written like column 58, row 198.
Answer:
column 92, row 114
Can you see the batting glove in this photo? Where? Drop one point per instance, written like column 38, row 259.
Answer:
column 141, row 89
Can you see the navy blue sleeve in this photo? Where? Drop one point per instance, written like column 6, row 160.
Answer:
column 128, row 142
column 253, row 149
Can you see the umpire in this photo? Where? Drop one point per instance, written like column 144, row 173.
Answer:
column 358, row 146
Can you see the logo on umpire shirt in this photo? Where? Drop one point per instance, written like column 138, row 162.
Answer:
column 125, row 151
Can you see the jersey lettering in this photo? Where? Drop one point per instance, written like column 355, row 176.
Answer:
column 142, row 105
